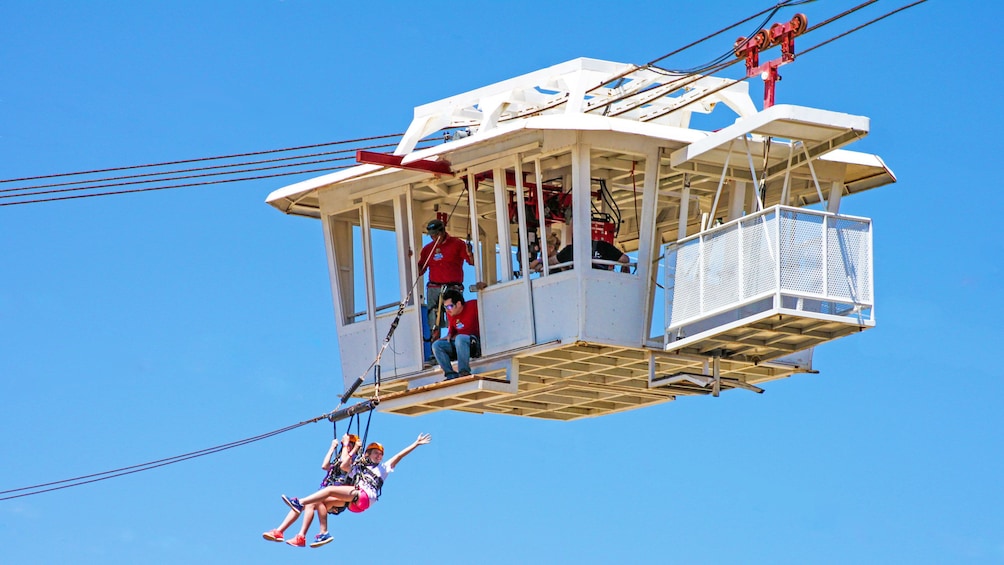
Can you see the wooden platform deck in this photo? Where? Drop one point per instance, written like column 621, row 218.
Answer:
column 564, row 382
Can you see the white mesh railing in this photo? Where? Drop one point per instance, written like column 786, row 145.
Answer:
column 781, row 257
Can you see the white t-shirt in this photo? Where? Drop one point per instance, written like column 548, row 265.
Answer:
column 382, row 471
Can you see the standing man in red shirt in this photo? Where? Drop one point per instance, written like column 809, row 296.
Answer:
column 462, row 339
column 444, row 258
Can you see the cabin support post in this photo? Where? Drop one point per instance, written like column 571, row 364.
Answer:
column 581, row 224
column 681, row 228
column 544, row 233
column 647, row 249
column 836, row 192
column 367, row 238
column 502, row 225
column 472, row 214
column 716, row 364
column 738, row 201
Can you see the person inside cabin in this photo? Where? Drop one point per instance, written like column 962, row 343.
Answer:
column 553, row 242
column 601, row 250
column 462, row 339
column 444, row 258
column 337, row 467
column 367, row 478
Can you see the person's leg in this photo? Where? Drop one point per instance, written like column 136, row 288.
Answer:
column 340, row 492
column 300, row 540
column 308, row 517
column 323, row 537
column 277, row 534
column 462, row 346
column 444, row 353
column 322, row 518
column 288, row 521
column 435, row 309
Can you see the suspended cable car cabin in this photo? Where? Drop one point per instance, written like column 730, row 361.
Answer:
column 740, row 260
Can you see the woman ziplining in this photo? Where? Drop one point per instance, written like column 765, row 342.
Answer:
column 334, row 463
column 357, row 489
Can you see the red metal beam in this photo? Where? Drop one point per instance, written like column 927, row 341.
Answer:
column 388, row 160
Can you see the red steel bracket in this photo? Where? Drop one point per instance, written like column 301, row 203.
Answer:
column 388, row 160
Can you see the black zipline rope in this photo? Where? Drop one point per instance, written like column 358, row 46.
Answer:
column 818, row 45
column 195, row 169
column 200, row 159
column 155, row 188
column 95, row 477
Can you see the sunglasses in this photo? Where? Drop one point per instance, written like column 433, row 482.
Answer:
column 449, row 306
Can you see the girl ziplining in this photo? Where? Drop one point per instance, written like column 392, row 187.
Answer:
column 361, row 487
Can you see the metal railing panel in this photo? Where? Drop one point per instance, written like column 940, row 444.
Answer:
column 794, row 254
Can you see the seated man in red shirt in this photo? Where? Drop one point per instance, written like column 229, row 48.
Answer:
column 461, row 338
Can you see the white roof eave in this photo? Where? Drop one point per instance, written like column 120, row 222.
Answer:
column 284, row 198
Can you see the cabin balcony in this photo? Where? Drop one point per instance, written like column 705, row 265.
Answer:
column 769, row 284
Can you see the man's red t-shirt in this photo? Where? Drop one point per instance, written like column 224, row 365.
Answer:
column 447, row 262
column 466, row 323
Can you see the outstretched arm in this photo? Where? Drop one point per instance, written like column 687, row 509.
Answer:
column 422, row 440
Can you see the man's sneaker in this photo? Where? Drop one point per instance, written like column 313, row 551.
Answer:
column 273, row 535
column 465, row 373
column 293, row 503
column 451, row 375
column 298, row 541
column 321, row 539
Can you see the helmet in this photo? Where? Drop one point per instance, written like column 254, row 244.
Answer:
column 353, row 438
column 436, row 225
column 374, row 445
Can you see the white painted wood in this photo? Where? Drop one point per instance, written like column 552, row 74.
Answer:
column 647, row 249
column 502, row 225
column 836, row 194
column 737, row 201
column 370, row 285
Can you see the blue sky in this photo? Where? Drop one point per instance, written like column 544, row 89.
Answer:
column 139, row 327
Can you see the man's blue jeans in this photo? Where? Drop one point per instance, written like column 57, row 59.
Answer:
column 458, row 348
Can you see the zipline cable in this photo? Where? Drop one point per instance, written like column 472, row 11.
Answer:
column 94, row 477
column 195, row 169
column 200, row 159
column 816, row 46
column 155, row 188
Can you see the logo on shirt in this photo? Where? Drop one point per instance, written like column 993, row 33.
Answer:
column 438, row 255
column 460, row 325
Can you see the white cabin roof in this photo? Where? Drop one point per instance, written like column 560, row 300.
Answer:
column 595, row 96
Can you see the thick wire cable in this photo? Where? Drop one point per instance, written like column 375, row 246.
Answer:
column 818, row 45
column 105, row 475
column 196, row 169
column 201, row 159
column 181, row 177
column 172, row 177
column 651, row 63
column 866, row 24
column 186, row 185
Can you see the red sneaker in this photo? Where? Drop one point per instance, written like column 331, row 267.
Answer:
column 273, row 535
column 298, row 541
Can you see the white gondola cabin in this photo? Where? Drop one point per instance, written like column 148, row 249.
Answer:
column 740, row 260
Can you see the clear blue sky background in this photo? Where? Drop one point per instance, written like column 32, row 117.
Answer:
column 139, row 327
